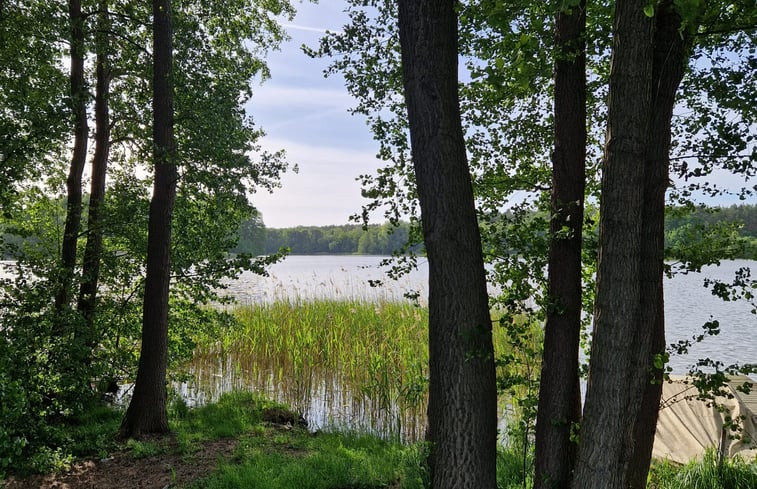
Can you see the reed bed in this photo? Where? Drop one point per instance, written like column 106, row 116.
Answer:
column 382, row 347
column 377, row 349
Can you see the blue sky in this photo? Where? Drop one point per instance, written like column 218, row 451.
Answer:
column 307, row 115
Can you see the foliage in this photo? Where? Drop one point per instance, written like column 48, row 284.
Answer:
column 221, row 163
column 374, row 239
column 512, row 472
column 252, row 236
column 700, row 234
column 518, row 369
column 34, row 118
column 721, row 232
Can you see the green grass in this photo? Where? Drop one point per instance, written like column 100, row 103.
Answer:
column 92, row 434
column 707, row 473
column 379, row 349
column 271, row 457
column 234, row 413
column 325, row 461
column 268, row 457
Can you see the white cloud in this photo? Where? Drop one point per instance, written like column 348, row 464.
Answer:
column 307, row 115
column 325, row 190
column 319, row 30
column 304, row 98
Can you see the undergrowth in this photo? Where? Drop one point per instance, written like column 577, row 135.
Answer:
column 705, row 473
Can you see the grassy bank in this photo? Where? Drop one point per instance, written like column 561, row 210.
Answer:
column 254, row 443
column 707, row 473
column 271, row 453
column 245, row 441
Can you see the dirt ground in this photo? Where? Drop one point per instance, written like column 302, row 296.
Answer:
column 122, row 471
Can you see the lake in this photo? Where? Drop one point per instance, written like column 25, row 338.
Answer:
column 688, row 304
column 325, row 402
column 324, row 399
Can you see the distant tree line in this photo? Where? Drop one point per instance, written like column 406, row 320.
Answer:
column 313, row 240
column 734, row 227
column 730, row 232
column 743, row 215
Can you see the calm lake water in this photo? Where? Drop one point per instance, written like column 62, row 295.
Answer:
column 326, row 402
column 688, row 304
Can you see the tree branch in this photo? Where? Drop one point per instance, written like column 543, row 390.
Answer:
column 726, row 29
column 708, row 157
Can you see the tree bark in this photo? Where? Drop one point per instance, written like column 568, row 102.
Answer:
column 93, row 248
column 559, row 392
column 147, row 409
column 670, row 54
column 462, row 390
column 614, row 394
column 78, row 158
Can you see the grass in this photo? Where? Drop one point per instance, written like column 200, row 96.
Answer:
column 705, row 473
column 272, row 457
column 295, row 459
column 269, row 457
column 379, row 349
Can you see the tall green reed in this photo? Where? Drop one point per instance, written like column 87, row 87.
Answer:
column 378, row 350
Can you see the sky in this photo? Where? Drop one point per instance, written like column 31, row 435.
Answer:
column 306, row 114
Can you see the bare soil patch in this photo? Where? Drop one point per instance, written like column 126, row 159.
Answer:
column 122, row 471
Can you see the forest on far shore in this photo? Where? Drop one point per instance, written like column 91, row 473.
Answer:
column 684, row 227
column 731, row 230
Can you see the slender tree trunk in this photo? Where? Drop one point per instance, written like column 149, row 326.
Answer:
column 559, row 392
column 462, row 391
column 614, row 394
column 147, row 409
column 668, row 66
column 78, row 158
column 93, row 248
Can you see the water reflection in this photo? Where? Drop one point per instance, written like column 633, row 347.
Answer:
column 329, row 401
column 325, row 398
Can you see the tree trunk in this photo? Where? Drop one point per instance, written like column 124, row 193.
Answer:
column 78, row 158
column 614, row 394
column 93, row 248
column 559, row 392
column 147, row 409
column 668, row 66
column 462, row 390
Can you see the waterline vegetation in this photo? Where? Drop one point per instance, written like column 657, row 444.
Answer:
column 375, row 352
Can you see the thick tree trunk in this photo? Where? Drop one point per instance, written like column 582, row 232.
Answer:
column 559, row 391
column 78, row 158
column 668, row 67
column 614, row 394
column 462, row 391
column 147, row 409
column 93, row 248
